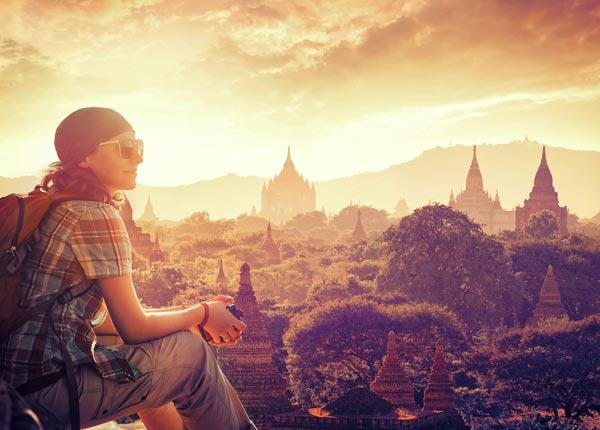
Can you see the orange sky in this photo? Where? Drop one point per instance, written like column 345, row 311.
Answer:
column 222, row 86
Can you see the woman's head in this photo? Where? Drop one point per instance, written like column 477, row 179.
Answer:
column 96, row 146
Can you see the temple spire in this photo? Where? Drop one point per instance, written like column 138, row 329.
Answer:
column 221, row 279
column 543, row 177
column 359, row 233
column 390, row 382
column 549, row 305
column 438, row 394
column 270, row 247
column 474, row 178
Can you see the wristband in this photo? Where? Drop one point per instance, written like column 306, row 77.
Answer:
column 205, row 318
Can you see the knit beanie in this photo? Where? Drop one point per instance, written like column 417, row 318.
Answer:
column 79, row 134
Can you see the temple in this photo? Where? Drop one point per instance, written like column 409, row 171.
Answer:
column 149, row 214
column 542, row 196
column 438, row 394
column 221, row 282
column 249, row 364
column 141, row 242
column 390, row 382
column 359, row 234
column 475, row 202
column 270, row 247
column 549, row 305
column 287, row 194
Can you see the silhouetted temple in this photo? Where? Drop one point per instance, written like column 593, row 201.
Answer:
column 390, row 382
column 221, row 279
column 287, row 194
column 359, row 233
column 141, row 242
column 549, row 305
column 438, row 394
column 542, row 196
column 479, row 206
column 249, row 364
column 270, row 247
column 149, row 214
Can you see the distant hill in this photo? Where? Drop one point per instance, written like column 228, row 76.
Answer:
column 510, row 168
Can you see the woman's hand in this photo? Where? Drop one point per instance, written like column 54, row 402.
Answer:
column 221, row 325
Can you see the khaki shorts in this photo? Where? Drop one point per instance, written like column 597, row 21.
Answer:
column 180, row 367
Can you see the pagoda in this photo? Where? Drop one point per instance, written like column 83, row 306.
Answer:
column 221, row 279
column 287, row 194
column 438, row 394
column 359, row 234
column 270, row 247
column 542, row 196
column 390, row 382
column 249, row 364
column 549, row 306
column 477, row 203
column 149, row 214
column 141, row 242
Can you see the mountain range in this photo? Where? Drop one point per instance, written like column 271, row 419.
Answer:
column 508, row 168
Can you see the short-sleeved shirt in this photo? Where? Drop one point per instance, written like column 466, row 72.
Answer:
column 80, row 242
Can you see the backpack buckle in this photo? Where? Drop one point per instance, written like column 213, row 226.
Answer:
column 17, row 258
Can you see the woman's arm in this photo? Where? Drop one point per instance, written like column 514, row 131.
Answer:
column 135, row 325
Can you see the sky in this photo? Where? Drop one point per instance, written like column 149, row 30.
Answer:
column 217, row 87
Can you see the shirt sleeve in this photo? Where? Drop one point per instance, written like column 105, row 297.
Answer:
column 100, row 243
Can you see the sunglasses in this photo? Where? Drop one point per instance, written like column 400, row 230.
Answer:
column 128, row 147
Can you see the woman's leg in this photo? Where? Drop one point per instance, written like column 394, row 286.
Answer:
column 163, row 417
column 180, row 367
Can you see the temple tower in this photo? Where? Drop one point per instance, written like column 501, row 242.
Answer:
column 438, row 394
column 549, row 305
column 475, row 202
column 270, row 247
column 542, row 196
column 149, row 214
column 221, row 279
column 287, row 194
column 141, row 242
column 390, row 382
column 359, row 233
column 249, row 364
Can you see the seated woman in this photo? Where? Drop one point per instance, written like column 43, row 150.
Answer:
column 64, row 375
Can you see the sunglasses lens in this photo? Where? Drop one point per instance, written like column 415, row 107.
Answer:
column 129, row 148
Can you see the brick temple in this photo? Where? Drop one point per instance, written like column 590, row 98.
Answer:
column 542, row 196
column 438, row 393
column 221, row 281
column 141, row 242
column 249, row 364
column 477, row 203
column 270, row 247
column 358, row 234
column 391, row 382
column 549, row 305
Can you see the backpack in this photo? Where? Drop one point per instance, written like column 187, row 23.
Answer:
column 20, row 215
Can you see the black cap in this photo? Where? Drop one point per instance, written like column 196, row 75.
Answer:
column 79, row 134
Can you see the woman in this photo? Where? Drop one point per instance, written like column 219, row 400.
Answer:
column 83, row 245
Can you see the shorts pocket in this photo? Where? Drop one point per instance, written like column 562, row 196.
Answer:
column 123, row 399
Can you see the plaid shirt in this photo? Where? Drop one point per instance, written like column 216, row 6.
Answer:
column 81, row 241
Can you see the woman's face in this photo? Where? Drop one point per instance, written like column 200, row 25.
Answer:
column 115, row 172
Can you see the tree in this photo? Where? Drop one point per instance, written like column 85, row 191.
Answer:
column 337, row 345
column 160, row 285
column 308, row 221
column 542, row 224
column 440, row 256
column 551, row 368
column 372, row 219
